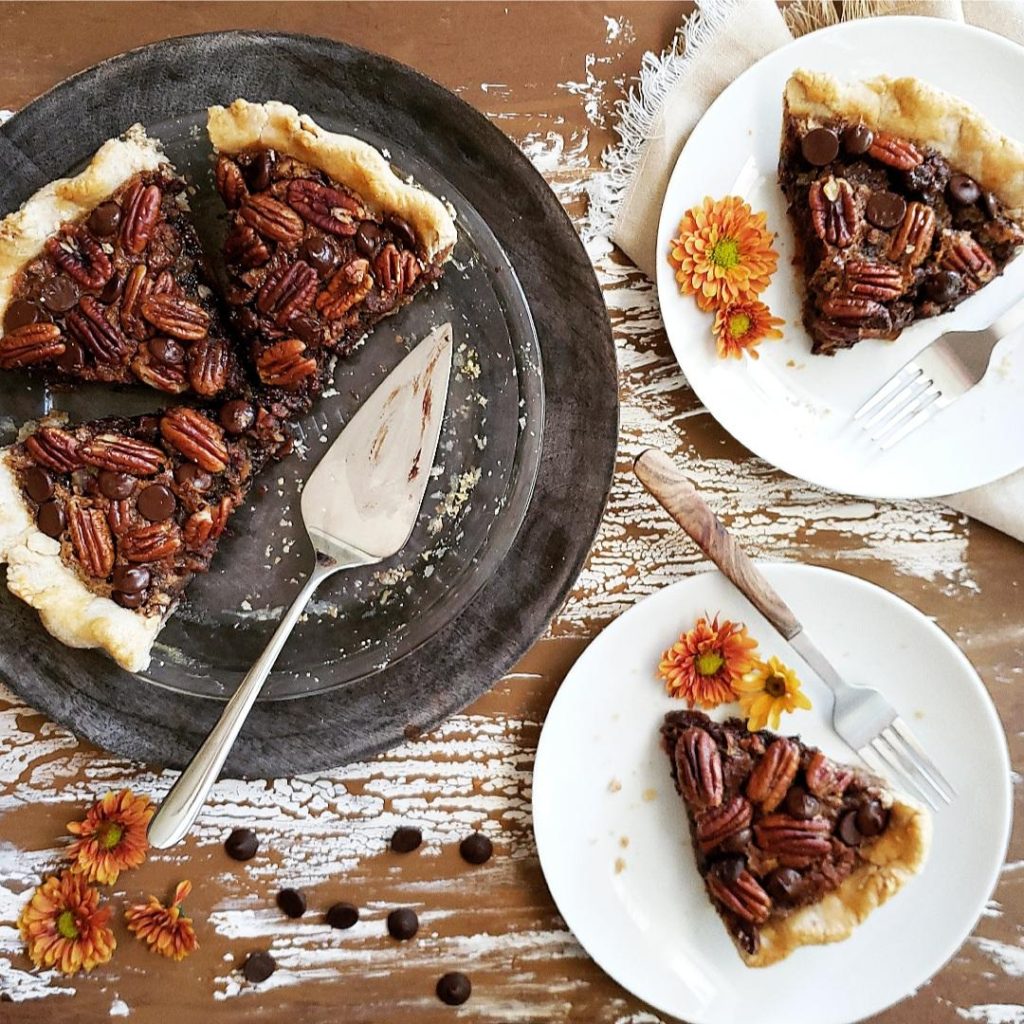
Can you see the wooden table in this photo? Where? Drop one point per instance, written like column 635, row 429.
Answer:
column 548, row 75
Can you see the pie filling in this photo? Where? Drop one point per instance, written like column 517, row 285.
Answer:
column 311, row 268
column 121, row 296
column 776, row 825
column 889, row 232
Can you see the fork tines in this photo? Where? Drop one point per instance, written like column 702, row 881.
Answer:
column 898, row 750
column 900, row 405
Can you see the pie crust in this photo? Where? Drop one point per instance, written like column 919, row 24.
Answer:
column 922, row 113
column 350, row 161
column 24, row 232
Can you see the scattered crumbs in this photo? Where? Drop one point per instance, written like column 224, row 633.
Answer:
column 246, row 605
column 522, row 422
column 386, row 152
column 428, row 571
column 624, row 841
column 467, row 363
column 119, row 1008
column 791, row 362
column 451, row 504
column 393, row 576
column 329, row 393
column 620, row 865
column 919, row 714
column 280, row 481
column 481, row 442
column 649, row 795
column 194, row 131
column 614, row 786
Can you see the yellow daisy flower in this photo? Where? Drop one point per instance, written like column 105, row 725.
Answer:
column 766, row 691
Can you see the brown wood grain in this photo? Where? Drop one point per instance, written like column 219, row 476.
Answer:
column 547, row 74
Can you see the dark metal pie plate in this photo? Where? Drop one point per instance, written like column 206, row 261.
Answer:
column 522, row 474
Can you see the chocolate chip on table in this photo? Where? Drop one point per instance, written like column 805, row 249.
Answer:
column 259, row 966
column 38, row 484
column 368, row 238
column 291, row 902
column 342, row 915
column 820, row 146
column 236, row 416
column 847, row 829
column 167, row 350
column 114, row 485
column 156, row 503
column 454, row 988
column 800, row 803
column 403, row 923
column 885, row 209
column 857, row 139
column 406, row 839
column 476, row 849
column 943, row 286
column 188, row 474
column 105, row 219
column 242, row 844
column 59, row 294
column 963, row 190
column 872, row 818
column 21, row 313
column 50, row 519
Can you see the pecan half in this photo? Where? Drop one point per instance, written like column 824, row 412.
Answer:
column 825, row 778
column 244, row 247
column 966, row 256
column 913, row 238
column 177, row 316
column 349, row 286
column 793, row 837
column 91, row 539
column 273, row 219
column 31, row 343
column 894, row 151
column 221, row 514
column 198, row 529
column 284, row 364
column 287, row 291
column 774, row 774
column 119, row 516
column 151, row 542
column 82, row 258
column 54, row 448
column 870, row 279
column 122, row 454
column 158, row 374
column 137, row 285
column 140, row 212
column 855, row 310
column 208, row 366
column 718, row 823
column 699, row 768
column 328, row 208
column 833, row 211
column 396, row 271
column 742, row 895
column 230, row 182
column 197, row 438
column 88, row 324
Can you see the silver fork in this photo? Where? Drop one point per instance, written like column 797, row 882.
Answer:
column 860, row 715
column 936, row 377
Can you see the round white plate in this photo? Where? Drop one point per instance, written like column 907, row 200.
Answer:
column 795, row 409
column 612, row 834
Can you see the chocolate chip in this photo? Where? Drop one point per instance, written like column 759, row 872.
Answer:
column 342, row 915
column 105, row 219
column 453, row 988
column 59, row 294
column 403, row 923
column 190, row 475
column 259, row 966
column 112, row 289
column 157, row 503
column 872, row 818
column 991, row 203
column 131, row 579
column 730, row 868
column 306, row 329
column 857, row 139
column 963, row 190
column 406, row 839
column 943, row 286
column 783, row 884
column 167, row 350
column 476, row 849
column 114, row 485
column 737, row 842
column 20, row 313
column 242, row 844
column 38, row 484
column 236, row 416
column 402, row 229
column 368, row 238
column 129, row 599
column 819, row 146
column 73, row 357
column 260, row 169
column 800, row 803
column 885, row 209
column 291, row 902
column 320, row 253
column 50, row 519
column 848, row 831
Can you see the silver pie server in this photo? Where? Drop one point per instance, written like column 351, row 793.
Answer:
column 359, row 507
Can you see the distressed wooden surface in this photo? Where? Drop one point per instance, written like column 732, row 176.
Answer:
column 548, row 75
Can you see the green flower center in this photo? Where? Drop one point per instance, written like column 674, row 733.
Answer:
column 739, row 324
column 708, row 663
column 66, row 925
column 726, row 253
column 775, row 686
column 110, row 835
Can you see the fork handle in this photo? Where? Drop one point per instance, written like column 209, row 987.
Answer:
column 660, row 475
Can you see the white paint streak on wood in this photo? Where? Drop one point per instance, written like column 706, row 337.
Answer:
column 993, row 1013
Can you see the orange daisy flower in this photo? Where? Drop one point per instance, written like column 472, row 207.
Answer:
column 702, row 665
column 64, row 926
column 112, row 838
column 723, row 252
column 741, row 326
column 166, row 929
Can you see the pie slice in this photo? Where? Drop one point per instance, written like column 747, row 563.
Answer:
column 324, row 240
column 102, row 279
column 103, row 525
column 794, row 848
column 905, row 201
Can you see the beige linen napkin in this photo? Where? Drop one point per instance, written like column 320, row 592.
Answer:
column 713, row 46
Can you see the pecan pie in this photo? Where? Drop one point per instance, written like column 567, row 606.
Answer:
column 905, row 202
column 794, row 848
column 324, row 240
column 102, row 279
column 103, row 525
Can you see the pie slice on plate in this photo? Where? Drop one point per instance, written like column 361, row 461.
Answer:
column 905, row 201
column 794, row 848
column 102, row 279
column 103, row 525
column 324, row 241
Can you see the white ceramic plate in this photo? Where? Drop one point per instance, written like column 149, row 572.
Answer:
column 612, row 832
column 795, row 409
